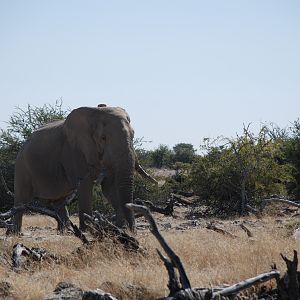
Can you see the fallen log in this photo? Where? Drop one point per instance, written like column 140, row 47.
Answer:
column 238, row 287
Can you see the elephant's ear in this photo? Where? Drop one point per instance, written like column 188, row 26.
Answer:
column 79, row 129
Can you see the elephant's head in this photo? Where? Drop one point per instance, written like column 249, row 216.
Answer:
column 103, row 137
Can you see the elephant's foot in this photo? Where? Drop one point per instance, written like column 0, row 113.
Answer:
column 13, row 230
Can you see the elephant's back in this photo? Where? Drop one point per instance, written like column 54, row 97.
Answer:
column 43, row 149
column 39, row 161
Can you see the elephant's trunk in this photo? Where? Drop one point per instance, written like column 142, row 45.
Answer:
column 125, row 193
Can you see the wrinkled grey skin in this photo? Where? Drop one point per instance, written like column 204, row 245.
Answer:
column 91, row 141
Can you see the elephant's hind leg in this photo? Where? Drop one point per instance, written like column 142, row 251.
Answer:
column 16, row 221
column 85, row 200
column 22, row 197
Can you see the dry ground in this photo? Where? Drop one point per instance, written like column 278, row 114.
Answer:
column 209, row 257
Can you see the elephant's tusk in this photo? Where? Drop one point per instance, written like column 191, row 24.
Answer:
column 143, row 173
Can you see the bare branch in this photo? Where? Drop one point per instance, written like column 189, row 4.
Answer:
column 171, row 254
column 78, row 233
column 289, row 284
column 182, row 199
column 249, row 233
column 173, row 285
column 279, row 200
column 220, row 230
column 99, row 226
column 236, row 288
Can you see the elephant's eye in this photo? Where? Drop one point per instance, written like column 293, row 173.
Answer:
column 103, row 138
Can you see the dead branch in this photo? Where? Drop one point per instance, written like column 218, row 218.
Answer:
column 18, row 251
column 168, row 210
column 252, row 209
column 220, row 230
column 100, row 227
column 182, row 199
column 44, row 211
column 236, row 288
column 6, row 218
column 249, row 233
column 36, row 254
column 78, row 233
column 10, row 213
column 6, row 224
column 288, row 285
column 173, row 284
column 185, row 283
column 265, row 202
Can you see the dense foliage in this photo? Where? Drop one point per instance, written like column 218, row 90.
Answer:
column 292, row 156
column 241, row 171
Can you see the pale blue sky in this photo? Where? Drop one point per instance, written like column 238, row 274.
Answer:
column 184, row 70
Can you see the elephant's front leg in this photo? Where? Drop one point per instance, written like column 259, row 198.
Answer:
column 63, row 215
column 85, row 200
column 111, row 193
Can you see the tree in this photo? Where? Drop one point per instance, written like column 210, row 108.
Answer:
column 184, row 153
column 143, row 155
column 162, row 157
column 19, row 127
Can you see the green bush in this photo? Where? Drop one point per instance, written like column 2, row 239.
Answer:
column 292, row 156
column 240, row 172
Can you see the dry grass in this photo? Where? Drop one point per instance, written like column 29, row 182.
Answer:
column 209, row 258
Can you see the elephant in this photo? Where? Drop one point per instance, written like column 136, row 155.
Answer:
column 93, row 144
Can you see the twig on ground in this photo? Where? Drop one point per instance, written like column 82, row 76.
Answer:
column 249, row 233
column 220, row 230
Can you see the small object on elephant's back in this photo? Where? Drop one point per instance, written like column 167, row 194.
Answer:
column 102, row 105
